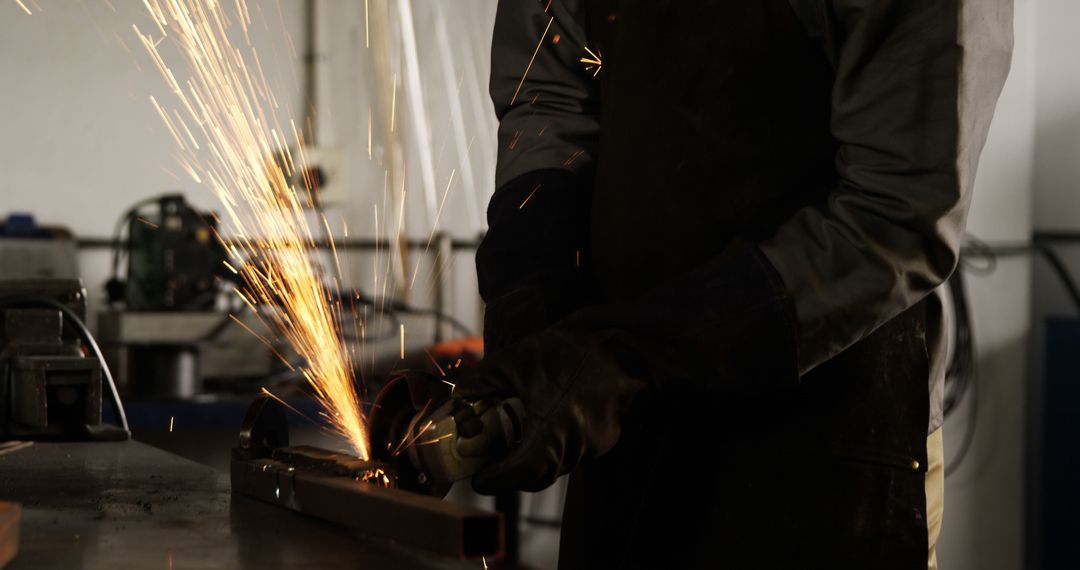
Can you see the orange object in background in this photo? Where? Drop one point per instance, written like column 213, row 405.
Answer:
column 10, row 517
column 469, row 345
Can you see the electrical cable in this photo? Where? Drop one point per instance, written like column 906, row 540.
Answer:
column 962, row 374
column 84, row 332
column 961, row 378
column 962, row 366
column 1062, row 271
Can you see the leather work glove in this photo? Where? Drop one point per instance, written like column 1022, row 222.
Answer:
column 725, row 328
column 573, row 402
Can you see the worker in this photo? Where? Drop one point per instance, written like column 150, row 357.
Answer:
column 712, row 266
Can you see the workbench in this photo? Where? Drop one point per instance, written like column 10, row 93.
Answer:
column 130, row 505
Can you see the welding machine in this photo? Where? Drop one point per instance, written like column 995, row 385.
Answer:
column 173, row 258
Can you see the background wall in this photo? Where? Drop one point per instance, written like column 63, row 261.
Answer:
column 1057, row 209
column 984, row 499
column 1057, row 142
column 84, row 142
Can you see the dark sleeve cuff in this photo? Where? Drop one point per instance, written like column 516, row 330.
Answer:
column 531, row 264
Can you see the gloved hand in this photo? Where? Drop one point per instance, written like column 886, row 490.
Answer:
column 573, row 401
column 723, row 329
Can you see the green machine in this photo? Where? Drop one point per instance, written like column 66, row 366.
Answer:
column 173, row 258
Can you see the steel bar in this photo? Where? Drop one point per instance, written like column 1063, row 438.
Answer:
column 339, row 244
column 408, row 518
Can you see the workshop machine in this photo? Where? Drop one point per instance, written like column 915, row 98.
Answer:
column 416, row 431
column 173, row 258
column 163, row 315
column 32, row 251
column 52, row 375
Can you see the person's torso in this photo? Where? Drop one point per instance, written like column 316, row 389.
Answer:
column 715, row 123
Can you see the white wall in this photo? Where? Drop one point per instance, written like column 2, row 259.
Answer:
column 81, row 140
column 984, row 500
column 1057, row 201
column 1057, row 176
column 451, row 118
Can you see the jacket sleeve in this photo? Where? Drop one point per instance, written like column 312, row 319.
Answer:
column 916, row 85
column 530, row 262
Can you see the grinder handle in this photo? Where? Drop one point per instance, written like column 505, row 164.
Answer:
column 490, row 430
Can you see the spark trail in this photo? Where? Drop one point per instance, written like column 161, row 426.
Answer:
column 227, row 132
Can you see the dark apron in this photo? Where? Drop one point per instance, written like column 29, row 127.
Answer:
column 715, row 125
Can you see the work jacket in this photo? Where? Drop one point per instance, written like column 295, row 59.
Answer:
column 754, row 201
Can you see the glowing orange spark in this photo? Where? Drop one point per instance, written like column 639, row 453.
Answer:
column 533, row 60
column 286, row 404
column 435, row 362
column 227, row 102
column 573, row 157
column 171, row 420
column 529, row 197
column 594, row 60
column 412, row 441
column 377, row 476
column 435, row 439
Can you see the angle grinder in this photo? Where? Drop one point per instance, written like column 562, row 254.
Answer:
column 434, row 438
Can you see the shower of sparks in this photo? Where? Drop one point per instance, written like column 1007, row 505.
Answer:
column 532, row 60
column 25, row 9
column 408, row 441
column 377, row 476
column 594, row 60
column 225, row 101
